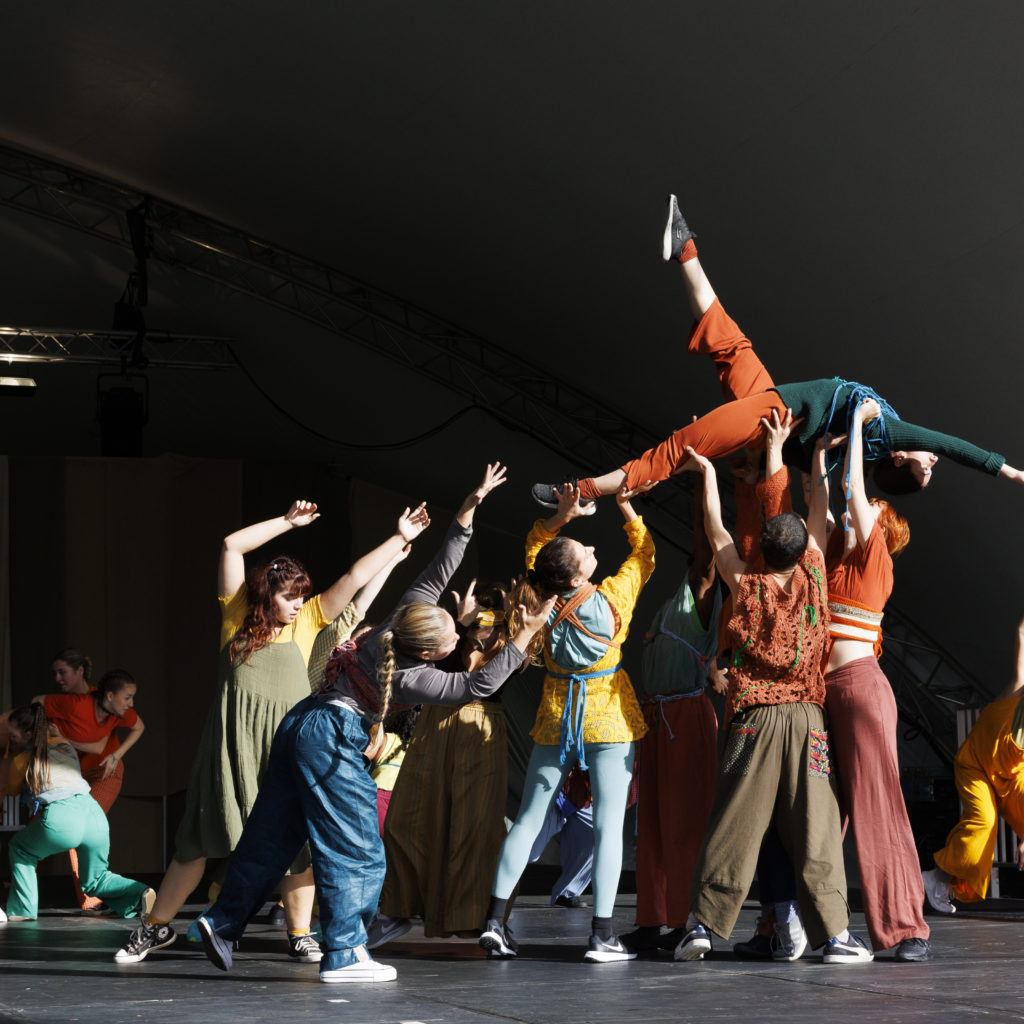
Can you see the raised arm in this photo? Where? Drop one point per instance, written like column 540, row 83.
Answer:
column 730, row 565
column 862, row 517
column 701, row 574
column 340, row 593
column 494, row 476
column 817, row 533
column 430, row 584
column 231, row 572
column 368, row 594
column 776, row 432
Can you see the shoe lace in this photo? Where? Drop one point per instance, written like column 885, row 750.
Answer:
column 304, row 943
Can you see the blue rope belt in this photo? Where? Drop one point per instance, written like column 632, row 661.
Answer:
column 661, row 699
column 874, row 447
column 572, row 716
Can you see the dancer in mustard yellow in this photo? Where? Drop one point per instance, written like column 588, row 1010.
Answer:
column 990, row 780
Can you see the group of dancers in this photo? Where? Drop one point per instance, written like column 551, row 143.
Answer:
column 281, row 786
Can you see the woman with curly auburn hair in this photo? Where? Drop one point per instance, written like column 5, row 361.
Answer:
column 862, row 713
column 267, row 633
column 588, row 711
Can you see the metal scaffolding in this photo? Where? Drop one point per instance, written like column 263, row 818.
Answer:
column 125, row 348
column 587, row 433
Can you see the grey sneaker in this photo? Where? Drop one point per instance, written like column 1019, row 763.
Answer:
column 789, row 941
column 143, row 940
column 305, row 949
column 546, row 496
column 384, row 929
column 914, row 951
column 677, row 232
column 217, row 948
column 937, row 892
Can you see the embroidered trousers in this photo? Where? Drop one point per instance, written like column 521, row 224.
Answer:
column 775, row 768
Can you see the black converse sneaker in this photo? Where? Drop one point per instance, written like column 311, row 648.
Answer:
column 677, row 232
column 606, row 951
column 498, row 941
column 305, row 949
column 145, row 938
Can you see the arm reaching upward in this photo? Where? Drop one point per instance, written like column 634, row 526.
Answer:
column 730, row 565
column 231, row 571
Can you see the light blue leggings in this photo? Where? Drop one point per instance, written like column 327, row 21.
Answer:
column 611, row 768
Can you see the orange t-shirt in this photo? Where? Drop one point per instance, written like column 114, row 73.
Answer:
column 866, row 575
column 75, row 715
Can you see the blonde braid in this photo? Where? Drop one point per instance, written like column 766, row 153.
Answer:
column 385, row 670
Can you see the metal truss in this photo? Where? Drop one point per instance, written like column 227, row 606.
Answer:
column 587, row 433
column 156, row 348
column 522, row 396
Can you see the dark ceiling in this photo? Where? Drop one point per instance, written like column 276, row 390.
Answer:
column 853, row 172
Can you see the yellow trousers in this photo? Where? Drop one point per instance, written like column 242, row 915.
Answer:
column 990, row 780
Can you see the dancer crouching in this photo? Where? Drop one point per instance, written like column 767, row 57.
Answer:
column 317, row 784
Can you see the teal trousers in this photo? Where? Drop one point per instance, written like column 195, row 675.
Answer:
column 75, row 823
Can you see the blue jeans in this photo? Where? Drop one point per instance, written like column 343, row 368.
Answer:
column 317, row 787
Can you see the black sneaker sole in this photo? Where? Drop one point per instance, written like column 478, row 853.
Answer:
column 211, row 944
column 495, row 947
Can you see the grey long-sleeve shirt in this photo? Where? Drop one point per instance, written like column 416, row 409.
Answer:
column 422, row 682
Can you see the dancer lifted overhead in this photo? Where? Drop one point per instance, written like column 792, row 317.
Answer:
column 904, row 454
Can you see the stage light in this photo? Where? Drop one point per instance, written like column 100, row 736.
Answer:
column 17, row 385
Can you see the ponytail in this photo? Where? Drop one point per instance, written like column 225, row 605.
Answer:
column 31, row 720
column 528, row 594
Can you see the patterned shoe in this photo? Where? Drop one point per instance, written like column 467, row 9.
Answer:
column 305, row 949
column 143, row 940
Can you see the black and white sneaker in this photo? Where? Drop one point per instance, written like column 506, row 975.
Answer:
column 547, row 496
column 143, row 940
column 694, row 944
column 853, row 951
column 305, row 949
column 498, row 941
column 677, row 232
column 789, row 942
column 607, row 951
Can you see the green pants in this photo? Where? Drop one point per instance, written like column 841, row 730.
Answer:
column 74, row 823
column 775, row 768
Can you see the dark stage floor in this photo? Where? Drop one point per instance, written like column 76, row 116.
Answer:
column 60, row 969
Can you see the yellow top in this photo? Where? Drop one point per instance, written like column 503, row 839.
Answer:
column 612, row 714
column 309, row 622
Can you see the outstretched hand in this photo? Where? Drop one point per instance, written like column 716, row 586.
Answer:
column 623, row 494
column 776, row 431
column 534, row 621
column 302, row 513
column 466, row 607
column 412, row 524
column 695, row 463
column 569, row 506
column 494, row 476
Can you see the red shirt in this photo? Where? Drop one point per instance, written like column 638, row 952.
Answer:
column 75, row 715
